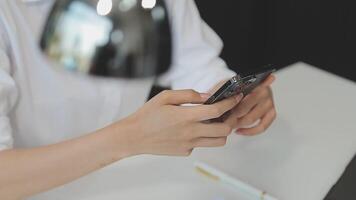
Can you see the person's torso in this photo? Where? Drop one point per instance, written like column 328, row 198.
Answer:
column 53, row 105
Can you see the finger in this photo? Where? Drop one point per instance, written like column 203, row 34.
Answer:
column 265, row 84
column 269, row 80
column 178, row 97
column 206, row 112
column 265, row 123
column 252, row 100
column 212, row 130
column 210, row 142
column 231, row 120
column 246, row 104
column 255, row 114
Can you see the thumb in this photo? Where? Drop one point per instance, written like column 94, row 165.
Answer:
column 178, row 97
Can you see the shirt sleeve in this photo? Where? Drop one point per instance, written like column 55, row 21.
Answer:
column 8, row 93
column 196, row 48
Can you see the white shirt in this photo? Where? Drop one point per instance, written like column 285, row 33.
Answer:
column 40, row 105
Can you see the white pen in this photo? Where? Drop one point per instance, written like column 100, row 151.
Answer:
column 220, row 176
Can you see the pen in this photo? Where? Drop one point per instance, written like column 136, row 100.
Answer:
column 220, row 176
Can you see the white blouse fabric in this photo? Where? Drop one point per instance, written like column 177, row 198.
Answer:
column 40, row 105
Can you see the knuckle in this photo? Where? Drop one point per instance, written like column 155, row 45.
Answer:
column 192, row 93
column 165, row 94
column 241, row 112
column 248, row 121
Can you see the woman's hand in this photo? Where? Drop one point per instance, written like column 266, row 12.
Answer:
column 256, row 112
column 164, row 127
column 161, row 126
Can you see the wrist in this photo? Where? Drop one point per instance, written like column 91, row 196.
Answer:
column 121, row 138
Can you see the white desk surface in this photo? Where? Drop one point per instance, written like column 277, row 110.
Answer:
column 299, row 158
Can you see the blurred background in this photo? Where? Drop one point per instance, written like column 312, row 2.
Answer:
column 319, row 32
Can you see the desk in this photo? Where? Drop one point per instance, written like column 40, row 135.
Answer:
column 299, row 158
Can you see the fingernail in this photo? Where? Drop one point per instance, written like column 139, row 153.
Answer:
column 239, row 97
column 205, row 95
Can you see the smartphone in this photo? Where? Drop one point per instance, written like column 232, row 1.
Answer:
column 242, row 83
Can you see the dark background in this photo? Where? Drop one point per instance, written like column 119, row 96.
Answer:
column 281, row 32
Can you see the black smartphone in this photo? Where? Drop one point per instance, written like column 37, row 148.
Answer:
column 242, row 83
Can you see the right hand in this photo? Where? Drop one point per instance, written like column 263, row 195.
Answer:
column 164, row 127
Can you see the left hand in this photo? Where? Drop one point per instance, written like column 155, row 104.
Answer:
column 256, row 112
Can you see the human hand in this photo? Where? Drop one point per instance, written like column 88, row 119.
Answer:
column 256, row 112
column 164, row 127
